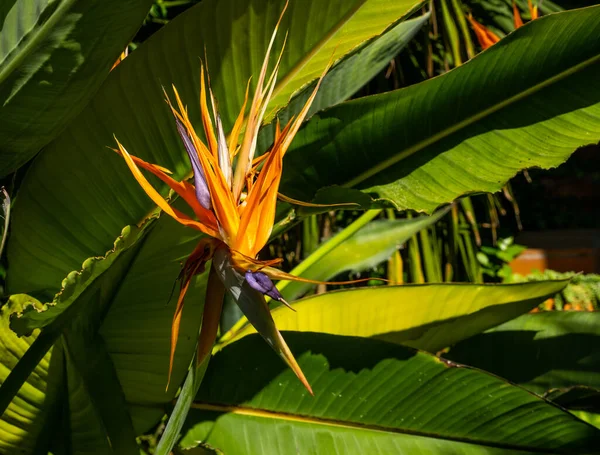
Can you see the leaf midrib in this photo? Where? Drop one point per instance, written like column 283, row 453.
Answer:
column 467, row 122
column 289, row 417
column 35, row 38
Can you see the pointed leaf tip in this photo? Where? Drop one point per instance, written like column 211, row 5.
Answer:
column 255, row 308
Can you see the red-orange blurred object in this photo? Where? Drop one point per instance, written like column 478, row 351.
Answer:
column 487, row 38
column 569, row 250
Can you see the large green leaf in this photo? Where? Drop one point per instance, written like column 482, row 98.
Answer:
column 348, row 75
column 78, row 194
column 23, row 420
column 67, row 302
column 129, row 302
column 529, row 100
column 53, row 57
column 540, row 351
column 137, row 329
column 371, row 397
column 428, row 317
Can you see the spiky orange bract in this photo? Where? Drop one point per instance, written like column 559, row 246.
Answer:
column 237, row 215
column 487, row 38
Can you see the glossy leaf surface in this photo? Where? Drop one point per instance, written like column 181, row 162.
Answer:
column 529, row 100
column 97, row 193
column 429, row 317
column 53, row 57
column 371, row 397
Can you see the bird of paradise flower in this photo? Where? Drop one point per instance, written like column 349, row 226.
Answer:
column 487, row 38
column 234, row 207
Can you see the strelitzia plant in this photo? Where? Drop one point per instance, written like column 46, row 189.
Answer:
column 487, row 38
column 234, row 205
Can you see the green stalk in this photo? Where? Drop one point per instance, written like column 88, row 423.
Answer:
column 414, row 256
column 452, row 33
column 395, row 269
column 464, row 28
column 429, row 260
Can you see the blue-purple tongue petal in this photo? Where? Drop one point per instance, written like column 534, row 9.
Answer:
column 202, row 193
column 263, row 284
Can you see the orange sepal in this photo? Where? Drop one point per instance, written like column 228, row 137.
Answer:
column 486, row 37
column 533, row 10
column 206, row 120
column 234, row 135
column 517, row 16
column 187, row 193
column 155, row 196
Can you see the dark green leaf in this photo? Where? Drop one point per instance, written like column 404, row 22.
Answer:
column 371, row 397
column 78, row 195
column 540, row 351
column 53, row 57
column 529, row 100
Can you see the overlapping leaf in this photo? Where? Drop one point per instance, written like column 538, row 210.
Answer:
column 131, row 306
column 53, row 57
column 371, row 397
column 540, row 351
column 371, row 245
column 429, row 317
column 529, row 100
column 78, row 195
column 23, row 420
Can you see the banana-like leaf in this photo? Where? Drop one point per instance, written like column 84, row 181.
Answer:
column 78, row 195
column 349, row 75
column 371, row 245
column 429, row 317
column 64, row 305
column 129, row 303
column 539, row 351
column 529, row 100
column 24, row 419
column 371, row 397
column 53, row 57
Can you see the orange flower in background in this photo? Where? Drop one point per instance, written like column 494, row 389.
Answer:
column 234, row 206
column 487, row 38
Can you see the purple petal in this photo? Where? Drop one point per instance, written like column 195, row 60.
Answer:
column 202, row 193
column 263, row 284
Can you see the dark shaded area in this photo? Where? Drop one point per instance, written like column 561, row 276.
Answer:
column 253, row 362
column 577, row 398
column 472, row 323
column 567, row 197
column 515, row 355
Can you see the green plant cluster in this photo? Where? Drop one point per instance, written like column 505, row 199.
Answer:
column 93, row 266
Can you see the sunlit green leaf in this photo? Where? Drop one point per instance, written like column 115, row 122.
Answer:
column 371, row 397
column 429, row 317
column 529, row 100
